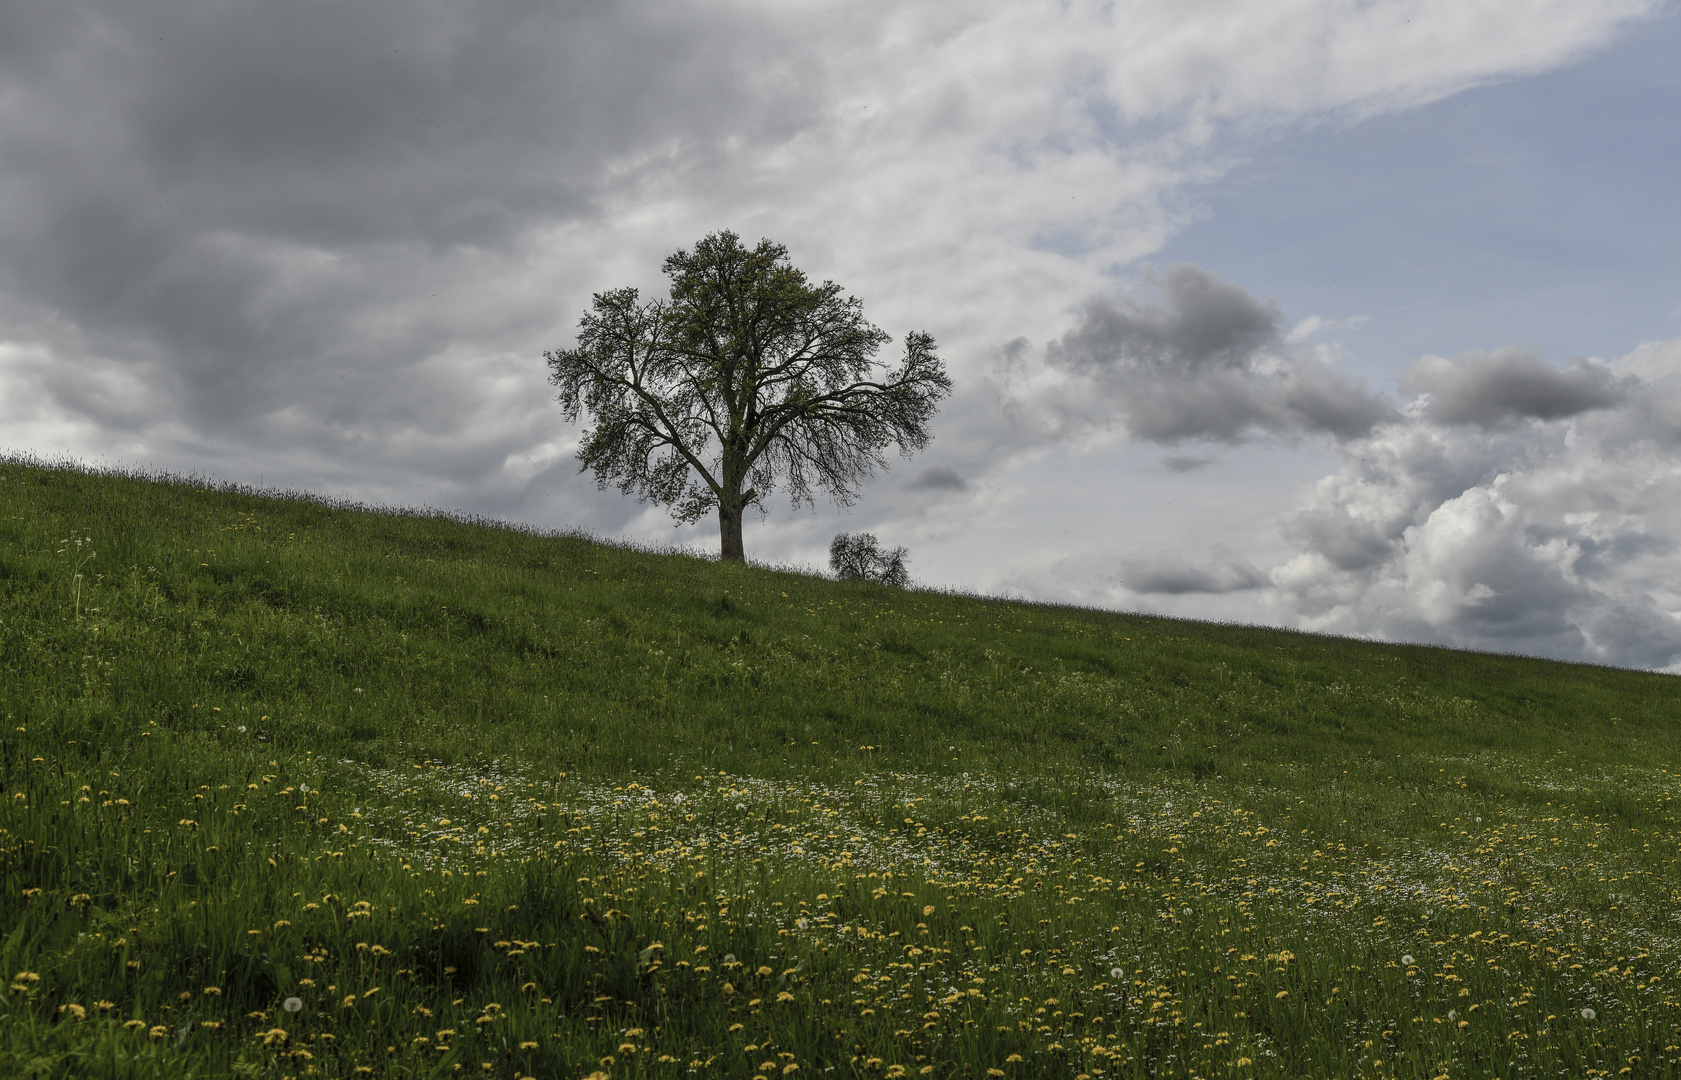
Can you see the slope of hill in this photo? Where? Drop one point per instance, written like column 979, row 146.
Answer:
column 295, row 788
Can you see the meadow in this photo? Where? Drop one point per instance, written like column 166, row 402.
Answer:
column 297, row 788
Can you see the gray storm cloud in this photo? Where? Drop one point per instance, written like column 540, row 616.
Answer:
column 303, row 229
column 1203, row 360
column 1510, row 384
column 1172, row 576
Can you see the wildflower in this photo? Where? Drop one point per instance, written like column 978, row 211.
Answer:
column 1244, row 1061
column 729, row 958
column 132, row 1025
column 528, row 1045
column 785, row 996
column 729, row 988
column 1453, row 1014
column 763, row 971
column 1012, row 1059
column 213, row 991
column 104, row 1006
column 74, row 1010
column 275, row 1037
column 210, row 1025
column 1116, row 973
column 293, row 1004
column 1406, row 961
column 1588, row 1014
column 159, row 1032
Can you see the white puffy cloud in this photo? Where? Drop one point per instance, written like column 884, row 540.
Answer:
column 1556, row 533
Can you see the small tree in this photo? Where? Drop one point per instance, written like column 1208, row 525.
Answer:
column 746, row 376
column 857, row 557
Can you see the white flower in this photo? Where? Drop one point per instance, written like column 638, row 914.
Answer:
column 1116, row 973
column 741, row 806
column 1406, row 961
column 1187, row 911
column 801, row 923
column 293, row 1004
column 242, row 729
column 1453, row 1014
column 1588, row 1014
column 304, row 788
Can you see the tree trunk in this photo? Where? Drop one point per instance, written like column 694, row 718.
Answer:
column 729, row 532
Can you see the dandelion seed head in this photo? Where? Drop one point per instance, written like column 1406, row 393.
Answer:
column 1453, row 1014
column 293, row 1004
column 1588, row 1014
column 1116, row 973
column 1406, row 960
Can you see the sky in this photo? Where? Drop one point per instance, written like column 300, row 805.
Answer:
column 1357, row 317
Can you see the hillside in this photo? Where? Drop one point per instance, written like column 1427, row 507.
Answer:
column 482, row 801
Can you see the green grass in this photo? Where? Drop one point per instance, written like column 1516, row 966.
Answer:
column 489, row 803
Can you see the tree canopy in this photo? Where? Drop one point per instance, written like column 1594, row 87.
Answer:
column 745, row 377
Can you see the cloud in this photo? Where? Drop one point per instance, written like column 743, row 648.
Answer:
column 325, row 244
column 1174, row 576
column 1509, row 385
column 1202, row 361
column 1560, row 537
column 938, row 478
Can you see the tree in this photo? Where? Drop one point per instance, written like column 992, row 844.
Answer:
column 857, row 557
column 745, row 376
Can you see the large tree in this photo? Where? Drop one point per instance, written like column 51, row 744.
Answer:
column 745, row 376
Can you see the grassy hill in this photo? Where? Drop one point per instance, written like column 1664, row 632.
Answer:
column 293, row 788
